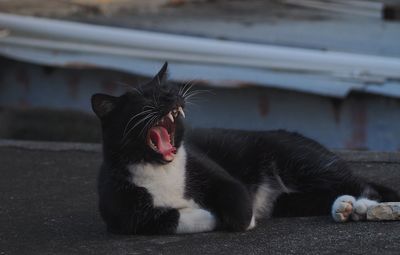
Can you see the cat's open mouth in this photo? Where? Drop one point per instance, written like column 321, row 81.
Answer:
column 161, row 137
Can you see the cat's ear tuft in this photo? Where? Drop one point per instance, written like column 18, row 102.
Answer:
column 161, row 75
column 103, row 104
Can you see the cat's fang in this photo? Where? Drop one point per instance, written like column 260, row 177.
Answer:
column 152, row 145
column 169, row 115
column 181, row 111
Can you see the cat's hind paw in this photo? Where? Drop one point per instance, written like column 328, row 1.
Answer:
column 342, row 208
column 360, row 209
column 346, row 207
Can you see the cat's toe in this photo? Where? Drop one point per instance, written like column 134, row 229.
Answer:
column 342, row 208
column 360, row 209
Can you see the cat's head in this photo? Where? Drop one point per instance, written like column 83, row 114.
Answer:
column 144, row 124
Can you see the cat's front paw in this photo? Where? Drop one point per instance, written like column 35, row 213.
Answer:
column 195, row 220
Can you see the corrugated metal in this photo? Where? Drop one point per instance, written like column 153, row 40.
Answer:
column 359, row 121
column 217, row 62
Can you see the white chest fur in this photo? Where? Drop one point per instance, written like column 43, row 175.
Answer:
column 166, row 183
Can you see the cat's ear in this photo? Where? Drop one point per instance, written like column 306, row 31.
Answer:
column 161, row 75
column 103, row 104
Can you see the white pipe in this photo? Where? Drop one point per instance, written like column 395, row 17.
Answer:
column 176, row 56
column 129, row 52
column 375, row 6
column 337, row 6
column 203, row 49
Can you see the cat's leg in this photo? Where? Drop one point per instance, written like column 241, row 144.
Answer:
column 332, row 190
column 341, row 201
column 227, row 198
column 355, row 207
column 342, row 208
column 193, row 220
column 144, row 221
column 231, row 203
column 252, row 223
column 320, row 183
column 162, row 221
column 131, row 211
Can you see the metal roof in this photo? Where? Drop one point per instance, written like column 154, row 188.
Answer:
column 219, row 62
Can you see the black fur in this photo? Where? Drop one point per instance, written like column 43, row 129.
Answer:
column 224, row 167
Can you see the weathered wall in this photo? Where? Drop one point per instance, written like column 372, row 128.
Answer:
column 360, row 121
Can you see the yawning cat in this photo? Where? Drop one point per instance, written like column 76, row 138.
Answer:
column 158, row 179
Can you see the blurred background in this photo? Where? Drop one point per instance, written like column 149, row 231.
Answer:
column 327, row 69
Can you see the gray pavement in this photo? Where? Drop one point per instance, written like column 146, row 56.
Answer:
column 48, row 205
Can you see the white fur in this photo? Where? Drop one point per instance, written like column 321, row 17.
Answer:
column 195, row 220
column 252, row 223
column 166, row 183
column 360, row 208
column 263, row 200
column 342, row 208
column 347, row 206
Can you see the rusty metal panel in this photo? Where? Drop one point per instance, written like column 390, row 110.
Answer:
column 227, row 63
column 359, row 121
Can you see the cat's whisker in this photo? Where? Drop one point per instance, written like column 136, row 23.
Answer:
column 149, row 107
column 191, row 103
column 183, row 88
column 188, row 90
column 194, row 94
column 140, row 113
column 137, row 115
column 138, row 122
column 199, row 91
column 144, row 119
column 149, row 123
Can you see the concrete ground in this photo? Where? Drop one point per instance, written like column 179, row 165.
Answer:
column 48, row 205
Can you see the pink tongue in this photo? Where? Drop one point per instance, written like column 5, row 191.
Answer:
column 160, row 136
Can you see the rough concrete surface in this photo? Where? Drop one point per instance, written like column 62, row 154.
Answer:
column 48, row 205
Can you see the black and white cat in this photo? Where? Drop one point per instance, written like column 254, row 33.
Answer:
column 156, row 179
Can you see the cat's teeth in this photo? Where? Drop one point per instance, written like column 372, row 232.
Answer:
column 181, row 111
column 152, row 145
column 169, row 115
